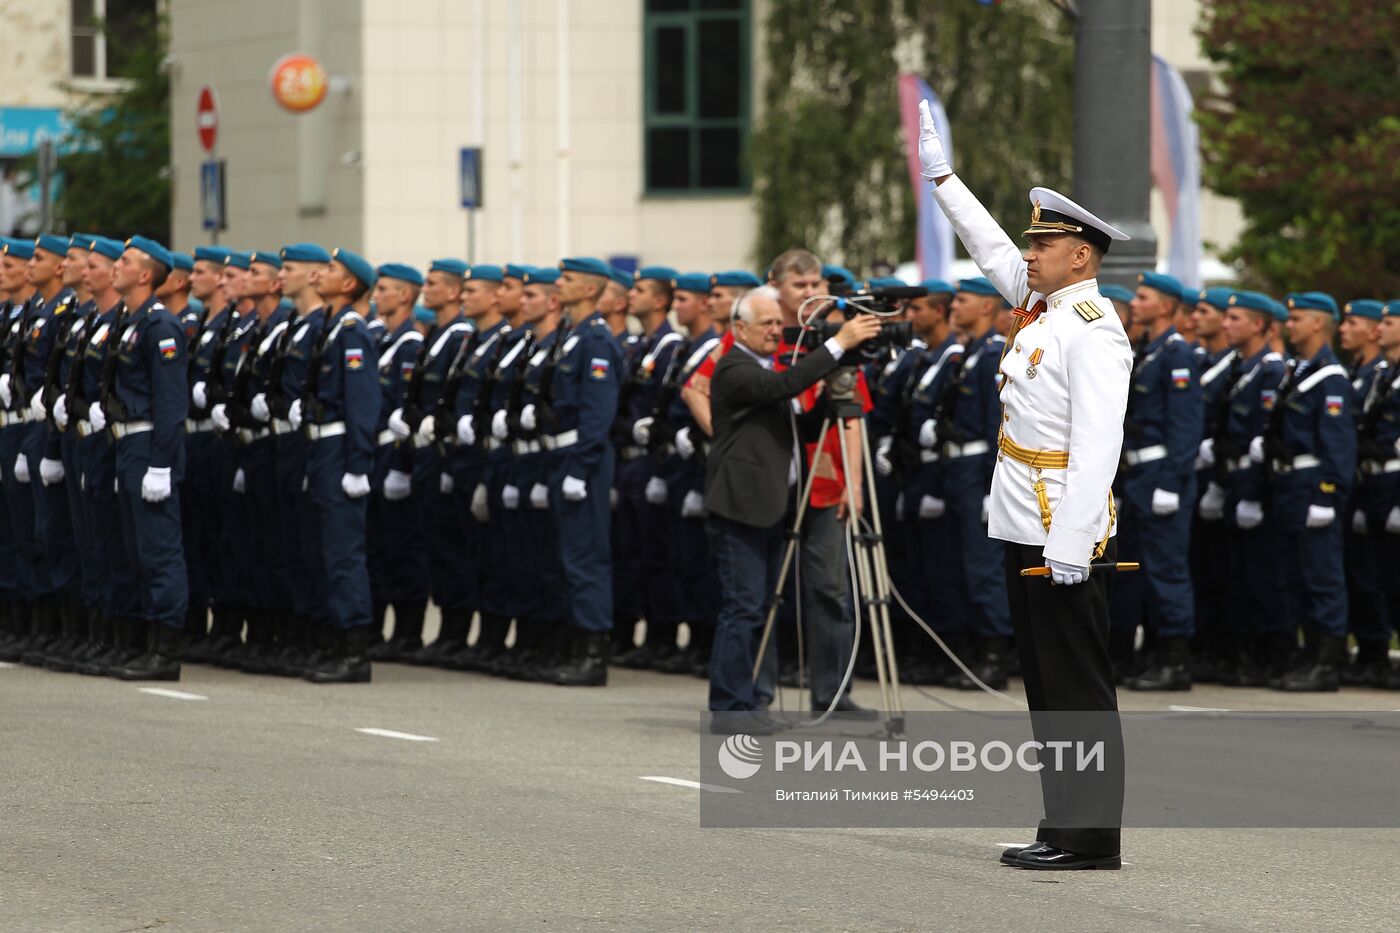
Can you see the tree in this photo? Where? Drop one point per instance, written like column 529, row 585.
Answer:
column 828, row 157
column 1305, row 133
column 116, row 162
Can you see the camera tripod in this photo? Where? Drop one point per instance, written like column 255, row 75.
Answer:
column 866, row 550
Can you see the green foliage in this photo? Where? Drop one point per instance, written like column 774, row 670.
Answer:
column 828, row 156
column 1306, row 134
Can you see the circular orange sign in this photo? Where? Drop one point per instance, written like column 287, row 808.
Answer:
column 298, row 82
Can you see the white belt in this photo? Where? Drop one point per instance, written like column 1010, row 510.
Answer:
column 280, row 427
column 1146, row 454
column 632, row 453
column 1234, row 466
column 385, row 437
column 198, row 426
column 122, row 428
column 1300, row 462
column 1376, row 467
column 316, row 432
column 493, row 444
column 84, row 428
column 560, row 441
column 248, row 435
column 533, row 447
column 929, row 456
column 970, row 449
column 419, row 441
column 8, row 418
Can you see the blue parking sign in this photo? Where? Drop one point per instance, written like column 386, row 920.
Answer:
column 211, row 194
column 469, row 172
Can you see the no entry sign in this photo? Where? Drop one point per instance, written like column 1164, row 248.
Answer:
column 208, row 118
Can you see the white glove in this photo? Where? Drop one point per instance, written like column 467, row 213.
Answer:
column 1256, row 449
column 397, row 485
column 5, row 395
column 1392, row 521
column 575, row 490
column 240, row 481
column 155, row 485
column 539, row 496
column 931, row 158
column 96, row 416
column 612, row 497
column 294, row 414
column 656, row 491
column 199, row 395
column 641, row 431
column 1205, row 454
column 527, row 417
column 1066, row 574
column 510, row 497
column 220, row 417
column 36, row 407
column 899, row 505
column 684, row 445
column 446, row 484
column 1249, row 515
column 1358, row 522
column 986, row 508
column 883, row 466
column 1165, row 503
column 929, row 507
column 466, row 433
column 60, row 412
column 427, row 431
column 928, row 434
column 499, row 429
column 21, row 469
column 258, row 408
column 356, row 485
column 693, row 506
column 397, row 426
column 50, row 471
column 1320, row 516
column 1212, row 507
column 480, row 511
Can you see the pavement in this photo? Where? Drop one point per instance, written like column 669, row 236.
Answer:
column 230, row 802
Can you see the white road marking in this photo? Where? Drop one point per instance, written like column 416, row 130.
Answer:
column 391, row 734
column 5, row 664
column 1196, row 709
column 693, row 785
column 172, row 694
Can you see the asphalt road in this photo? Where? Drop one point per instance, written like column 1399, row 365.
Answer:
column 261, row 807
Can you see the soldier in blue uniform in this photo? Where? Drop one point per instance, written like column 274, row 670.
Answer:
column 30, row 621
column 1309, row 447
column 574, row 430
column 1380, row 468
column 144, row 401
column 339, row 410
column 1162, row 436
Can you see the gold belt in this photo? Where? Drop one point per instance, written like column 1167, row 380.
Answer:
column 1040, row 459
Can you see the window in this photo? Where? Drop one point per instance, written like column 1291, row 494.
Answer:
column 104, row 32
column 697, row 96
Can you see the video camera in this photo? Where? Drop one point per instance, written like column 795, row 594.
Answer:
column 878, row 301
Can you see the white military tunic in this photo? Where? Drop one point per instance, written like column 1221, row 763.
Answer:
column 1074, row 402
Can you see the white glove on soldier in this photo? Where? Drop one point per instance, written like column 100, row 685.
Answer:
column 1212, row 507
column 928, row 434
column 1066, row 574
column 656, row 491
column 397, row 485
column 21, row 469
column 200, row 395
column 356, row 485
column 397, row 426
column 1256, row 449
column 294, row 414
column 693, row 506
column 1320, row 516
column 1205, row 454
column 527, row 417
column 1392, row 521
column 1249, row 515
column 5, row 395
column 37, row 411
column 641, row 431
column 240, row 481
column 883, row 465
column 575, row 490
column 466, row 430
column 427, row 431
column 510, row 497
column 684, row 445
column 499, row 429
column 986, row 508
column 539, row 496
column 930, row 508
column 1358, row 522
column 258, row 408
column 96, row 416
column 481, row 511
column 1165, row 503
column 446, row 484
column 60, row 412
column 932, row 160
column 155, row 485
column 50, row 471
column 220, row 417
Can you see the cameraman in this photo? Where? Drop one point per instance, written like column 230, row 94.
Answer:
column 752, row 464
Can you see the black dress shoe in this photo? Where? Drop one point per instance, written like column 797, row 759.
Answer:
column 755, row 722
column 1049, row 858
column 848, row 709
column 1008, row 856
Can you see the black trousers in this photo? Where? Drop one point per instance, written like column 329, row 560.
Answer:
column 1062, row 637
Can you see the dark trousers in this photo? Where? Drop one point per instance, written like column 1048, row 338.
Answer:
column 19, row 502
column 1062, row 638
column 342, row 524
column 828, row 618
column 748, row 560
column 583, row 531
column 1160, row 596
column 1365, row 585
column 152, row 533
column 116, row 563
column 296, row 554
column 966, row 484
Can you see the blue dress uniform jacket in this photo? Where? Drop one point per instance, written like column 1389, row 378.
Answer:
column 298, row 557
column 925, row 504
column 546, row 598
column 1252, row 398
column 397, row 364
column 348, row 390
column 1165, row 417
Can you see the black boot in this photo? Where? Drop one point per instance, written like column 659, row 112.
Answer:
column 1371, row 666
column 346, row 661
column 43, row 631
column 588, row 664
column 102, row 643
column 1122, row 652
column 990, row 666
column 225, row 640
column 408, row 633
column 490, row 644
column 72, row 638
column 161, row 661
column 451, row 640
column 259, row 652
column 1171, row 669
column 1323, row 674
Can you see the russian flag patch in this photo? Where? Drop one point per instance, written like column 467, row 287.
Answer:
column 1267, row 398
column 1181, row 378
column 1333, row 404
column 168, row 348
column 598, row 368
column 354, row 358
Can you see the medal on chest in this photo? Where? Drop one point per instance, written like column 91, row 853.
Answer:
column 1036, row 355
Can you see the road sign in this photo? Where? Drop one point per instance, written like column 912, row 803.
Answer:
column 211, row 195
column 207, row 118
column 469, row 172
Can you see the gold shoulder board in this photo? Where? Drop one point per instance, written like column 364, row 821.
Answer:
column 1088, row 310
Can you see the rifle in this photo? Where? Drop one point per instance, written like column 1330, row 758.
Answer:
column 947, row 406
column 239, row 401
column 621, row 430
column 277, row 403
column 662, row 431
column 1226, row 450
column 1368, row 448
column 214, row 380
column 53, row 366
column 481, row 405
column 515, row 399
column 413, row 412
column 310, row 390
column 455, row 371
column 905, row 449
column 77, row 404
column 112, row 406
column 18, row 390
column 1274, row 447
column 546, row 418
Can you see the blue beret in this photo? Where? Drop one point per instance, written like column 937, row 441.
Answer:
column 301, row 252
column 1314, row 301
column 424, row 315
column 1216, row 297
column 938, row 287
column 1392, row 309
column 450, row 267
column 516, row 271
column 81, row 241
column 692, row 282
column 736, row 278
column 541, row 275
column 1368, row 308
column 238, row 259
column 112, row 249
column 58, row 245
column 355, row 264
column 658, row 273
column 884, row 281
column 215, row 254
column 841, row 274
column 980, row 285
column 266, row 258
column 18, row 248
column 1165, row 284
column 1116, row 293
column 620, row 276
column 397, row 270
column 1257, row 301
column 153, row 249
column 486, row 273
column 183, row 261
column 586, row 265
